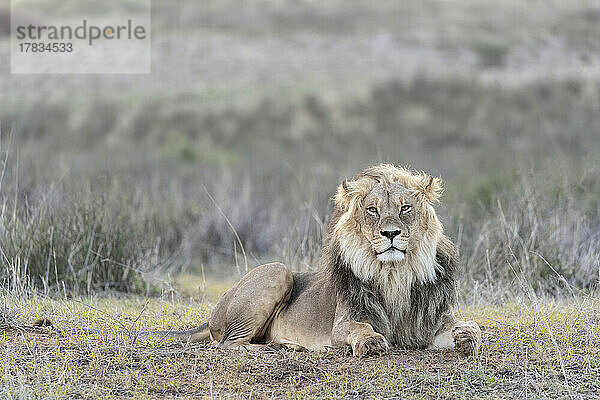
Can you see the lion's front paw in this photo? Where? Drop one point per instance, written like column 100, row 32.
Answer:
column 372, row 345
column 467, row 338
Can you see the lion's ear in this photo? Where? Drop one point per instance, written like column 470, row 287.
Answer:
column 342, row 196
column 350, row 193
column 431, row 187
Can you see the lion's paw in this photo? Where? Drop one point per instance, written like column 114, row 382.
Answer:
column 372, row 345
column 467, row 338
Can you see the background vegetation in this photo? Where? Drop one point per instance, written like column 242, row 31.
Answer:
column 254, row 113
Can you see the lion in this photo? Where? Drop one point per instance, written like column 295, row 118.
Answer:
column 387, row 277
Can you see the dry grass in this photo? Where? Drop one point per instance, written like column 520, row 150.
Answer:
column 531, row 349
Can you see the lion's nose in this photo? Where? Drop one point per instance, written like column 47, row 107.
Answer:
column 390, row 234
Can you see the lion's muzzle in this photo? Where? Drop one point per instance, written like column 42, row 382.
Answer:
column 393, row 244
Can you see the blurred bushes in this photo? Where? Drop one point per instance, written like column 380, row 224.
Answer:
column 79, row 242
column 536, row 234
column 425, row 115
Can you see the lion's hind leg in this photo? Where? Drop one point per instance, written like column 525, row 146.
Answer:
column 244, row 313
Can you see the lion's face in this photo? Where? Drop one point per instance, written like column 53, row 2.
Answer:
column 387, row 219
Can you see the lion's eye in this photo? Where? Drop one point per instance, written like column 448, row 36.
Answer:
column 372, row 210
column 405, row 208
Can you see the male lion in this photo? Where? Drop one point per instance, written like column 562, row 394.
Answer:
column 387, row 277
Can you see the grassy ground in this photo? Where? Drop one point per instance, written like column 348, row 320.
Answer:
column 532, row 349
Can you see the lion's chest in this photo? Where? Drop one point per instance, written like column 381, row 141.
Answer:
column 387, row 296
column 401, row 318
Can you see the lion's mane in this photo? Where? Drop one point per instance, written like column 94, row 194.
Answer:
column 405, row 301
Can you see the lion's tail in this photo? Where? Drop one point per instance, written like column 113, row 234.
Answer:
column 195, row 335
column 200, row 334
